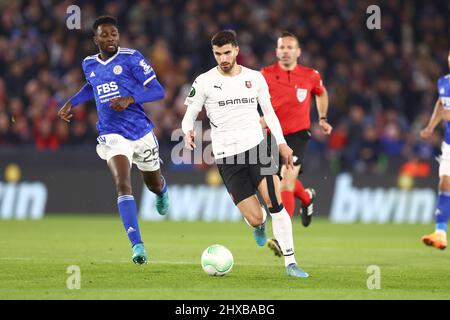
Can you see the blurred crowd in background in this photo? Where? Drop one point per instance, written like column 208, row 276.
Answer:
column 381, row 83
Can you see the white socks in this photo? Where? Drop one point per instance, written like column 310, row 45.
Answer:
column 264, row 214
column 282, row 230
column 442, row 233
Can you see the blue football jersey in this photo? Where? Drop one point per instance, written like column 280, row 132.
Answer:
column 119, row 76
column 444, row 96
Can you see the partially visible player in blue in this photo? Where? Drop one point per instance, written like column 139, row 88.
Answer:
column 120, row 80
column 438, row 239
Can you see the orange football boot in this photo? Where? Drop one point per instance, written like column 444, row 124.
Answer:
column 436, row 239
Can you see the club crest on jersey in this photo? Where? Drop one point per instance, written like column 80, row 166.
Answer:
column 301, row 94
column 248, row 84
column 117, row 69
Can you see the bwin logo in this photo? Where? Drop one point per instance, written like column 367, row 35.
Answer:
column 22, row 200
column 380, row 205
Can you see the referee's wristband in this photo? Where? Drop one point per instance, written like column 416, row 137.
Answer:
column 323, row 118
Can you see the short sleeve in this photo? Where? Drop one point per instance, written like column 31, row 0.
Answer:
column 263, row 89
column 84, row 68
column 440, row 87
column 318, row 87
column 197, row 95
column 142, row 70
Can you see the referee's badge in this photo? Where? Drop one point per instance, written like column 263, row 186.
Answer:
column 301, row 94
column 248, row 84
column 117, row 69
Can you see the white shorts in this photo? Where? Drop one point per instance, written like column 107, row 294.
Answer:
column 444, row 162
column 144, row 152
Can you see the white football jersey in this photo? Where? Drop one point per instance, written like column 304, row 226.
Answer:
column 231, row 105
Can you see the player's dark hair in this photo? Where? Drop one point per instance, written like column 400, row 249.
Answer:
column 286, row 34
column 104, row 20
column 224, row 37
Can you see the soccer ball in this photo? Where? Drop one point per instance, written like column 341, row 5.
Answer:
column 217, row 260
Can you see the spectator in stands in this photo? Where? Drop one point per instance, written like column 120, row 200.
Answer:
column 394, row 68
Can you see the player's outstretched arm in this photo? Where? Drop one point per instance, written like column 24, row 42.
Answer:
column 322, row 109
column 152, row 91
column 64, row 112
column 287, row 155
column 263, row 123
column 270, row 118
column 436, row 117
column 274, row 125
column 121, row 103
column 194, row 101
column 187, row 125
column 189, row 140
column 275, row 128
column 85, row 94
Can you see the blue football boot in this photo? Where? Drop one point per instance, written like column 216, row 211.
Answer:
column 139, row 254
column 294, row 270
column 162, row 203
column 259, row 233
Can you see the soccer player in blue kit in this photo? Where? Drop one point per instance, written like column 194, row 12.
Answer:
column 438, row 239
column 120, row 80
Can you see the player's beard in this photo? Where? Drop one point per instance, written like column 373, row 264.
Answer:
column 111, row 49
column 227, row 67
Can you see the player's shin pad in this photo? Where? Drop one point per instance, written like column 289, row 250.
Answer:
column 276, row 207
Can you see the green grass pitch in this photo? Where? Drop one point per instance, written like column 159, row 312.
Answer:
column 35, row 255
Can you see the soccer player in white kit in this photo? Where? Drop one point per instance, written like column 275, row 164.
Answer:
column 230, row 94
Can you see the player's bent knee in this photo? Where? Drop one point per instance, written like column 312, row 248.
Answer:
column 287, row 186
column 255, row 220
column 288, row 182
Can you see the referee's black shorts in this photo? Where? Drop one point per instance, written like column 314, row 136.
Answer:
column 243, row 173
column 298, row 142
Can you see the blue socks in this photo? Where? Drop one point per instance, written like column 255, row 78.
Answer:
column 128, row 213
column 442, row 211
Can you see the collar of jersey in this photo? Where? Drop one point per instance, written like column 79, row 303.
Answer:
column 297, row 66
column 230, row 77
column 109, row 60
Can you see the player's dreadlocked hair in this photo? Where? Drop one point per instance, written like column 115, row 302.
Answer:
column 104, row 20
column 224, row 37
